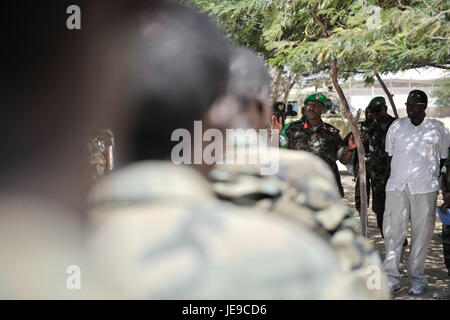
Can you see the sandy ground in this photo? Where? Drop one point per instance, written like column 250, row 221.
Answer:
column 434, row 267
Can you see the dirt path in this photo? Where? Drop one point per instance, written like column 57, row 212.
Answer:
column 434, row 267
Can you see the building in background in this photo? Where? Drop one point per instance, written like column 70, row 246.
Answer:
column 358, row 95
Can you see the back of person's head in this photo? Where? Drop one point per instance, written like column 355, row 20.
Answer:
column 290, row 107
column 56, row 84
column 249, row 78
column 179, row 69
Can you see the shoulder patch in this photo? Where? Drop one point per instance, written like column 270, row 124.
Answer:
column 297, row 124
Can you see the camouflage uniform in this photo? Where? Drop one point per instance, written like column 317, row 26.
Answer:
column 446, row 245
column 446, row 228
column 160, row 233
column 303, row 192
column 324, row 142
column 98, row 149
column 377, row 166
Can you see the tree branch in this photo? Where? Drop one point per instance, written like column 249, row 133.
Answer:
column 357, row 136
column 322, row 24
column 437, row 38
column 389, row 95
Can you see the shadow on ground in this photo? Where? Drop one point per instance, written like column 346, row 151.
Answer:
column 434, row 266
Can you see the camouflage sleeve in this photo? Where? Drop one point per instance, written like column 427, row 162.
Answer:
column 339, row 141
column 340, row 145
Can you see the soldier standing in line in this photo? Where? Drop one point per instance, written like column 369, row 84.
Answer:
column 445, row 182
column 316, row 136
column 101, row 149
column 373, row 133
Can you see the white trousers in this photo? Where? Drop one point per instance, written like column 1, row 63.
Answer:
column 401, row 207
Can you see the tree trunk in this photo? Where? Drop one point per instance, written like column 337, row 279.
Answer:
column 386, row 91
column 357, row 136
column 290, row 85
column 277, row 86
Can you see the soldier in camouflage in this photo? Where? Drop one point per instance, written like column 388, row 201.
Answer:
column 317, row 137
column 445, row 183
column 373, row 135
column 160, row 231
column 101, row 148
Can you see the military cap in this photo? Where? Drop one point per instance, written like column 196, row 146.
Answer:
column 315, row 97
column 375, row 102
column 419, row 96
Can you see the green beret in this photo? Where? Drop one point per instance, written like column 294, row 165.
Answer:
column 315, row 97
column 375, row 102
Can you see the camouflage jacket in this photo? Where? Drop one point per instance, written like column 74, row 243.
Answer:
column 160, row 233
column 375, row 136
column 325, row 142
column 303, row 192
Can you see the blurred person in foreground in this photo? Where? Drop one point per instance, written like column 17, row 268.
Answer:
column 159, row 232
column 302, row 190
column 58, row 83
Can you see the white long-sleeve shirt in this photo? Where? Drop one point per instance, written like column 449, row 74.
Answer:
column 416, row 152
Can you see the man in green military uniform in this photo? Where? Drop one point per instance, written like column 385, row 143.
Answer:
column 373, row 133
column 316, row 136
column 445, row 182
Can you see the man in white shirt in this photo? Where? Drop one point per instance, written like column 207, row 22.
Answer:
column 416, row 145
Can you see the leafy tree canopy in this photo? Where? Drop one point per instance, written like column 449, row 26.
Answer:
column 364, row 35
column 442, row 93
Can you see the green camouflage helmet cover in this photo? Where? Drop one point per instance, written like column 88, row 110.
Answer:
column 315, row 97
column 375, row 102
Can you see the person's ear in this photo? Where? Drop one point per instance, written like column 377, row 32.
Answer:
column 222, row 112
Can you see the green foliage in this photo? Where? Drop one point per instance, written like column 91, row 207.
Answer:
column 442, row 93
column 364, row 35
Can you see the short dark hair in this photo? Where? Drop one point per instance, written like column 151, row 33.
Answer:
column 180, row 67
column 248, row 76
column 418, row 95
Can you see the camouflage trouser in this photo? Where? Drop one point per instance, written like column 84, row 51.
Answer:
column 376, row 179
column 446, row 245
